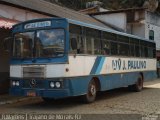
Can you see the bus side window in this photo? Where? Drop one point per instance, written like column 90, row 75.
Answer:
column 109, row 43
column 137, row 51
column 106, row 47
column 114, row 48
column 150, row 52
column 134, row 47
column 76, row 45
column 146, row 51
column 76, row 39
column 89, row 45
column 132, row 50
column 123, row 45
column 123, row 49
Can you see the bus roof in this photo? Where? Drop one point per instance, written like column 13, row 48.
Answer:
column 107, row 30
column 87, row 25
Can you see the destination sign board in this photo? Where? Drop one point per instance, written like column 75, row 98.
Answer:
column 37, row 25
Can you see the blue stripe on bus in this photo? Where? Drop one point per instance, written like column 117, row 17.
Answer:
column 97, row 65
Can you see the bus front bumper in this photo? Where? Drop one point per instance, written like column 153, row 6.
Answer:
column 56, row 94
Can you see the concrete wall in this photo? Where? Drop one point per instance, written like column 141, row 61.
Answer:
column 117, row 20
column 156, row 30
column 138, row 29
column 153, row 23
column 18, row 14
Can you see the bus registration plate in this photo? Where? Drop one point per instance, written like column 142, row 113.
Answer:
column 31, row 93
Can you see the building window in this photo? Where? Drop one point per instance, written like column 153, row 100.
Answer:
column 151, row 35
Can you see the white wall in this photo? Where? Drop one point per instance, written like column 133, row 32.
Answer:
column 139, row 30
column 156, row 30
column 153, row 23
column 115, row 19
column 18, row 14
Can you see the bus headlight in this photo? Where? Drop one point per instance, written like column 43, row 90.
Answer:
column 13, row 83
column 58, row 84
column 52, row 84
column 55, row 84
column 17, row 83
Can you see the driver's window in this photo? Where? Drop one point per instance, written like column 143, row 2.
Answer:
column 76, row 38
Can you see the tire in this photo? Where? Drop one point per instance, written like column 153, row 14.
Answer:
column 90, row 96
column 138, row 86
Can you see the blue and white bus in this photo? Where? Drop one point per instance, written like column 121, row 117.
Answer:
column 56, row 58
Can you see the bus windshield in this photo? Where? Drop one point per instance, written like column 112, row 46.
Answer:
column 42, row 43
column 23, row 45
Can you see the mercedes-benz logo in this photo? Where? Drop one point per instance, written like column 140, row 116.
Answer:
column 33, row 82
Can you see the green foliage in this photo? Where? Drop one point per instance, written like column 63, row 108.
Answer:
column 121, row 4
column 111, row 4
column 74, row 4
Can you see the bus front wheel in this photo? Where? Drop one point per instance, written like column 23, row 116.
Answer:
column 90, row 96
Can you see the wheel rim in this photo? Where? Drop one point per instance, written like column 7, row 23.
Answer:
column 90, row 96
column 92, row 90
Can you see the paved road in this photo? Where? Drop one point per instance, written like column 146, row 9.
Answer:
column 119, row 101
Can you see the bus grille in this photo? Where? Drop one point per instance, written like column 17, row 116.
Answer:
column 34, row 72
column 38, row 84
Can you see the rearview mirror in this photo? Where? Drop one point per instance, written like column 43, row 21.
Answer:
column 74, row 43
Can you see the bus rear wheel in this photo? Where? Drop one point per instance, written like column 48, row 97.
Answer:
column 138, row 86
column 91, row 92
